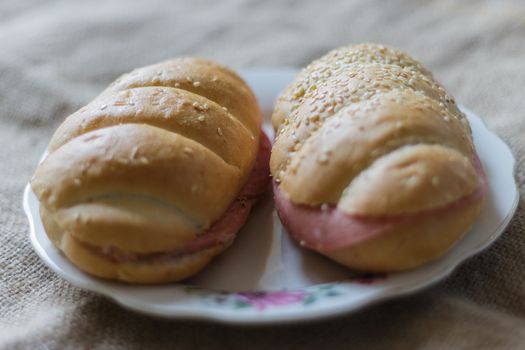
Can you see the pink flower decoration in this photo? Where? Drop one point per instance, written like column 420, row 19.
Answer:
column 260, row 300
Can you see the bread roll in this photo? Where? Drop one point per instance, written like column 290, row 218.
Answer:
column 141, row 174
column 373, row 163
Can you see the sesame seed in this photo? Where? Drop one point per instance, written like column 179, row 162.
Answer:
column 196, row 84
column 201, row 118
column 219, row 131
column 314, row 117
column 323, row 158
column 133, row 152
column 103, row 107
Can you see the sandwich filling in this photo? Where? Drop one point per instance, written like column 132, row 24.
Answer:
column 328, row 229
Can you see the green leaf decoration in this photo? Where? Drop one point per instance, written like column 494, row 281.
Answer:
column 240, row 304
column 309, row 299
column 326, row 286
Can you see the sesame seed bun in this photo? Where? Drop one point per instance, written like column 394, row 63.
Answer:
column 367, row 129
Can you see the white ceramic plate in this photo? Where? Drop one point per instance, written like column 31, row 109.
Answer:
column 265, row 278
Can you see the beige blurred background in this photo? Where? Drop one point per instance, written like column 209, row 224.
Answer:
column 56, row 56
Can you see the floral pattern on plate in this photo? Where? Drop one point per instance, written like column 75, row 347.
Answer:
column 262, row 300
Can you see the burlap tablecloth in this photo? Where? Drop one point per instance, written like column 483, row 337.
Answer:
column 56, row 55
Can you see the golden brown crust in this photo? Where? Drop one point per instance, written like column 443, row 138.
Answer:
column 164, row 271
column 175, row 110
column 202, row 77
column 141, row 162
column 351, row 109
column 321, row 70
column 411, row 179
column 149, row 164
column 410, row 245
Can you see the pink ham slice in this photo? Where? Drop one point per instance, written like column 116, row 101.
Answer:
column 331, row 229
column 222, row 231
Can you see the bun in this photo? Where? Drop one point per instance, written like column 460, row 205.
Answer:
column 152, row 271
column 149, row 166
column 368, row 131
